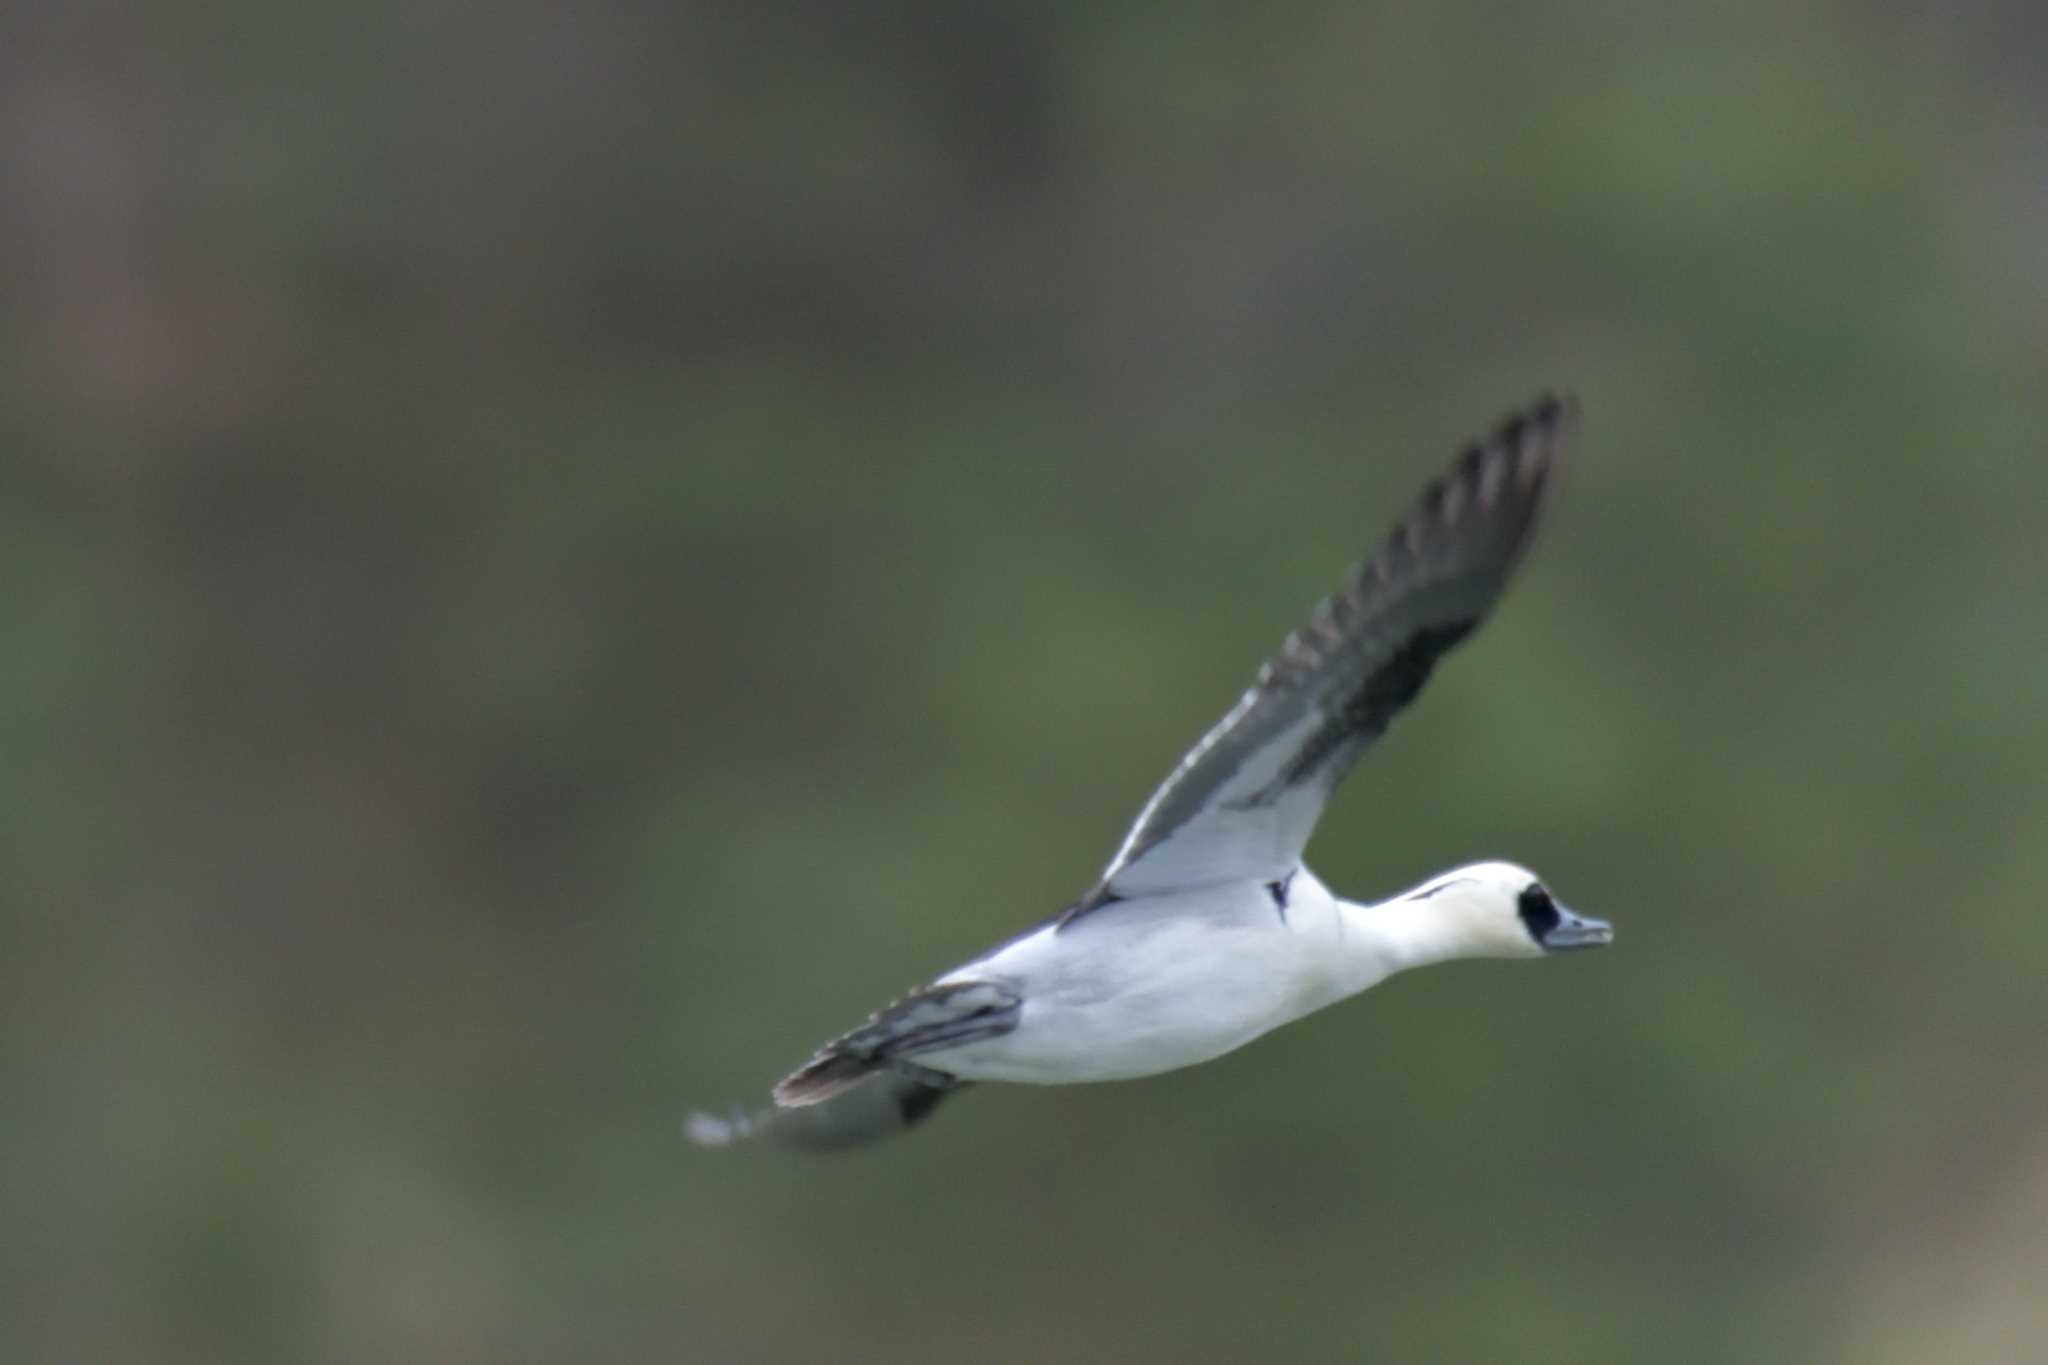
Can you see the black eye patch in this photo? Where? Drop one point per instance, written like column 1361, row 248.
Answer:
column 1538, row 911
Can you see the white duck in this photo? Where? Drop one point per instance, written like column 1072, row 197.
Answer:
column 1206, row 930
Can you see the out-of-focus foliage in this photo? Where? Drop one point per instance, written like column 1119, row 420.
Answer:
column 557, row 554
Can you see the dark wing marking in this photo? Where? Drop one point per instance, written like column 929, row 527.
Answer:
column 1242, row 803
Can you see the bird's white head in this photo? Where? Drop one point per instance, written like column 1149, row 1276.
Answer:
column 1496, row 910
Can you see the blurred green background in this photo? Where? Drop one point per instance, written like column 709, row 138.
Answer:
column 557, row 555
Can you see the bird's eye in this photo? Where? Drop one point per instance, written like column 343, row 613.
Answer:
column 1538, row 911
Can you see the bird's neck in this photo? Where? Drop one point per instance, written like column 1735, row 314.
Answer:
column 1393, row 936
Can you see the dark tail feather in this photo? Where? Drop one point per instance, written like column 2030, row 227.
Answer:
column 858, row 1111
column 864, row 1084
column 825, row 1075
column 943, row 1015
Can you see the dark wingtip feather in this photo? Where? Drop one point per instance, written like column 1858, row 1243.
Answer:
column 1551, row 410
column 1506, row 473
column 1519, row 452
column 1498, row 479
column 1534, row 437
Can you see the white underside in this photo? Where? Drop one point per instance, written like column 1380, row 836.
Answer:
column 1162, row 982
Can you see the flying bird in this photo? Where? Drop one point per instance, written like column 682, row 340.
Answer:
column 1206, row 929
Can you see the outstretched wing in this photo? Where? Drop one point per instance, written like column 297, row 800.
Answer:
column 1243, row 802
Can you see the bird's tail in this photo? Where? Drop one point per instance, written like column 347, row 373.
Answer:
column 946, row 1014
column 859, row 1110
column 832, row 1072
column 864, row 1084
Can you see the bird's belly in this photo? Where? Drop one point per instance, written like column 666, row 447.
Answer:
column 1170, row 1011
column 1056, row 1046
